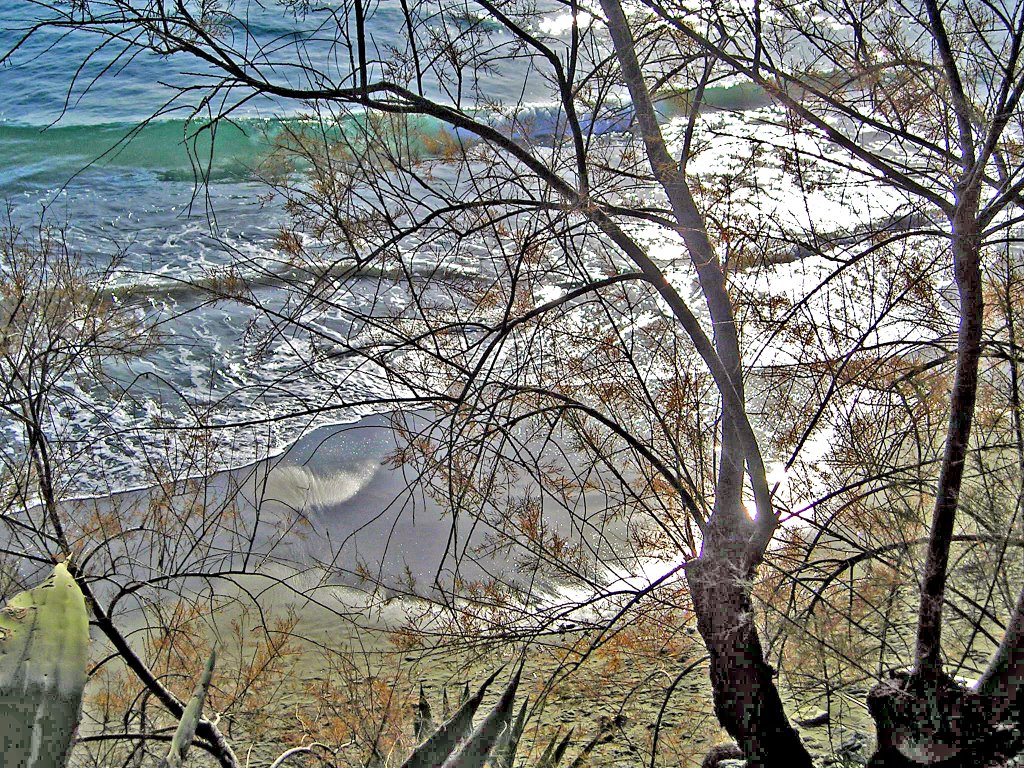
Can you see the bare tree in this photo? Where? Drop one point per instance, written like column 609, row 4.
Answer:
column 413, row 170
column 164, row 568
column 940, row 86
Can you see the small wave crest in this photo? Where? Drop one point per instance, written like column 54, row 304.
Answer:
column 301, row 488
column 186, row 150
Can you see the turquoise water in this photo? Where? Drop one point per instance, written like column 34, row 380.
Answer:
column 107, row 147
column 172, row 150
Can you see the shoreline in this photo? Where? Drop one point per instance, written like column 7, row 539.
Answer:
column 335, row 473
column 330, row 510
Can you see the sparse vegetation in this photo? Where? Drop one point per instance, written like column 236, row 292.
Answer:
column 696, row 394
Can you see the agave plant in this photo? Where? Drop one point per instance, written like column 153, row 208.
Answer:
column 44, row 647
column 44, row 650
column 456, row 744
column 552, row 755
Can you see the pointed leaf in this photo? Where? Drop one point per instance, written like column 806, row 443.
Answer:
column 474, row 753
column 505, row 750
column 423, row 722
column 555, row 751
column 190, row 718
column 546, row 754
column 436, row 749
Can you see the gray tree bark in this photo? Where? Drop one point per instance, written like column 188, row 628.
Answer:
column 747, row 701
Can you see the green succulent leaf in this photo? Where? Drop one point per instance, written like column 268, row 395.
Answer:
column 504, row 752
column 190, row 718
column 44, row 649
column 545, row 756
column 436, row 749
column 423, row 722
column 476, row 750
column 555, row 751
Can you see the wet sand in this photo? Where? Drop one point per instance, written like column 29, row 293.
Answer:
column 358, row 508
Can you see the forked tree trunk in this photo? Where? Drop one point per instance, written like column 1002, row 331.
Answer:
column 747, row 701
column 1004, row 678
column 926, row 717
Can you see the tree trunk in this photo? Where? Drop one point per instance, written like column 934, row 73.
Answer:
column 1004, row 677
column 967, row 270
column 747, row 702
column 926, row 717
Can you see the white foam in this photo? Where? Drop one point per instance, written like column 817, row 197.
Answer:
column 301, row 488
column 559, row 24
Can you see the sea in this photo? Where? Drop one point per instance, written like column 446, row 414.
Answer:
column 99, row 143
column 102, row 144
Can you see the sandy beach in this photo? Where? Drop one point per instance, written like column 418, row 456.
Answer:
column 350, row 628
